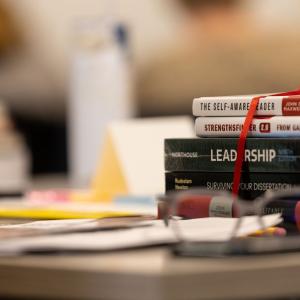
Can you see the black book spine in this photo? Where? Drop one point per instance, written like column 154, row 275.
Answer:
column 289, row 209
column 252, row 184
column 219, row 155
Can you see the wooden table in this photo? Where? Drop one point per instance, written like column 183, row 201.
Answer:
column 149, row 274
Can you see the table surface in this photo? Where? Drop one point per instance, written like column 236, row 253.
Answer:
column 152, row 273
column 149, row 274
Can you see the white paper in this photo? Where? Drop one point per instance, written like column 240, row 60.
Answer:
column 55, row 225
column 205, row 229
column 140, row 143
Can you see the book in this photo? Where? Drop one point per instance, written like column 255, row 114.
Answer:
column 203, row 206
column 219, row 155
column 277, row 126
column 289, row 209
column 239, row 106
column 252, row 184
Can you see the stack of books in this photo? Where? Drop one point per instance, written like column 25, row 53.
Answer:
column 272, row 151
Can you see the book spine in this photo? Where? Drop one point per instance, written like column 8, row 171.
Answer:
column 289, row 209
column 239, row 106
column 197, row 207
column 219, row 155
column 252, row 184
column 277, row 126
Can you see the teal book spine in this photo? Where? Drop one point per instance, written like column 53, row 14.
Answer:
column 219, row 155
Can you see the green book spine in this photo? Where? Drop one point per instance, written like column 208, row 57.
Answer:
column 252, row 184
column 219, row 155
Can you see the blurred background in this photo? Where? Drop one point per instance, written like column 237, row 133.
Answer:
column 68, row 67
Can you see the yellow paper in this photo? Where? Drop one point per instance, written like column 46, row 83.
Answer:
column 109, row 180
column 132, row 160
column 48, row 213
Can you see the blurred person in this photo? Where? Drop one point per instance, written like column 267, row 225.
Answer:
column 219, row 51
column 216, row 51
column 9, row 35
column 26, row 85
column 31, row 97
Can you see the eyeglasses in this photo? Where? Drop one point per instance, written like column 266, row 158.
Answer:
column 180, row 211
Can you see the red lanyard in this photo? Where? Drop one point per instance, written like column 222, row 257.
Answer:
column 243, row 136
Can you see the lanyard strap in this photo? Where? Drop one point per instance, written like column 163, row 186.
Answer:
column 243, row 137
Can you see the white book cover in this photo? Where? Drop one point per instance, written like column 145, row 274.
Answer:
column 277, row 126
column 239, row 106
